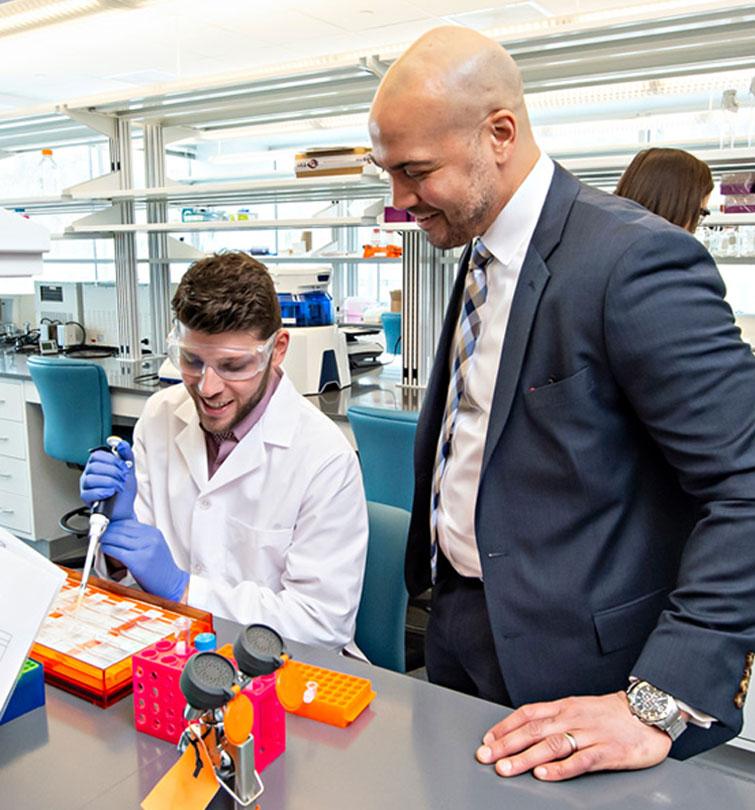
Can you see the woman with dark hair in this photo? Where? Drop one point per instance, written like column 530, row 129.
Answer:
column 671, row 183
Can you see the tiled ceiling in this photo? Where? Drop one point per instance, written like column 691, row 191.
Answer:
column 125, row 44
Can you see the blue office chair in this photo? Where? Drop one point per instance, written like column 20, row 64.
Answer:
column 381, row 619
column 392, row 330
column 385, row 441
column 75, row 400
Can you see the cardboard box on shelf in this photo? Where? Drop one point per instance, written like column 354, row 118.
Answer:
column 395, row 300
column 333, row 160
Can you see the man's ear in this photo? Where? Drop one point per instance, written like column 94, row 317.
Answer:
column 502, row 129
column 280, row 347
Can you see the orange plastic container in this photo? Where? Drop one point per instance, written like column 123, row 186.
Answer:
column 338, row 698
column 88, row 651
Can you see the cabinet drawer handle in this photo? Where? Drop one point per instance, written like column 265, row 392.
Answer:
column 3, row 401
column 6, row 511
column 4, row 438
column 5, row 475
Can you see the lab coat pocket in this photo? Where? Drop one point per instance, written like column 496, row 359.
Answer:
column 256, row 554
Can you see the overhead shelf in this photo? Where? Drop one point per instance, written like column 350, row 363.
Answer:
column 237, row 192
column 605, row 170
column 224, row 225
column 50, row 205
column 728, row 219
column 355, row 258
column 297, row 189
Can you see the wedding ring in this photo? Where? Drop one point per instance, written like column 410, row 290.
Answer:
column 572, row 742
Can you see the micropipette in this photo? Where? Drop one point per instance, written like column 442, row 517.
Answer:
column 101, row 512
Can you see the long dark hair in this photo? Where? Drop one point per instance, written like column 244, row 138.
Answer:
column 669, row 182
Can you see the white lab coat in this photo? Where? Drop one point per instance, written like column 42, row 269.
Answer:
column 279, row 534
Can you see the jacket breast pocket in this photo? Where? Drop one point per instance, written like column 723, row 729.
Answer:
column 576, row 387
column 629, row 623
column 255, row 554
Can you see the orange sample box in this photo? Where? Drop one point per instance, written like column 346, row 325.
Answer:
column 329, row 696
column 87, row 650
column 387, row 251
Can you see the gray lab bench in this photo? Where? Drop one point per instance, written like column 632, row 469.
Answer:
column 412, row 748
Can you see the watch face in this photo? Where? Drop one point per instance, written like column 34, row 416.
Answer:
column 650, row 704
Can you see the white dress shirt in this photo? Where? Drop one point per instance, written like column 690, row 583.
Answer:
column 507, row 239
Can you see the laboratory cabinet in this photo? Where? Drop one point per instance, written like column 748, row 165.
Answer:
column 35, row 490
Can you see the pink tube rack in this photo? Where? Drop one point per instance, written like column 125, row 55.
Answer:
column 159, row 702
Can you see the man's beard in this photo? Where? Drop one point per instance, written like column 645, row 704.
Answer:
column 466, row 224
column 252, row 403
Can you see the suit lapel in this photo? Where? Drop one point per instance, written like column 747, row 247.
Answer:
column 529, row 289
column 532, row 280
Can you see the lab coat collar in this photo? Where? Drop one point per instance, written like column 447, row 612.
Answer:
column 276, row 427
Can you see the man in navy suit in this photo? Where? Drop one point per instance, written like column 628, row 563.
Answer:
column 585, row 456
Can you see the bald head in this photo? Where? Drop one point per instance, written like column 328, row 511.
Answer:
column 457, row 71
column 449, row 125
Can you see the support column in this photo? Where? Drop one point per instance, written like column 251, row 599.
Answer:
column 428, row 275
column 159, row 266
column 125, row 249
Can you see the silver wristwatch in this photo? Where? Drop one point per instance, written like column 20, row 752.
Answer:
column 656, row 708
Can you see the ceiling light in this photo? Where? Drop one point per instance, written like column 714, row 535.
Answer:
column 22, row 15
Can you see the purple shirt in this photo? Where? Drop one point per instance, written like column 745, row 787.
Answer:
column 220, row 445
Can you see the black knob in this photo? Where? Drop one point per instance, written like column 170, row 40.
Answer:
column 258, row 650
column 207, row 679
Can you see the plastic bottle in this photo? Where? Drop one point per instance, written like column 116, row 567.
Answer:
column 48, row 175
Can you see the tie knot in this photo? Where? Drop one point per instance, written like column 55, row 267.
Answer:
column 481, row 256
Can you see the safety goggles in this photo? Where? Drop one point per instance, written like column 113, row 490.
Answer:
column 228, row 362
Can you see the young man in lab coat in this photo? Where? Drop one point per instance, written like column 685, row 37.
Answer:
column 246, row 500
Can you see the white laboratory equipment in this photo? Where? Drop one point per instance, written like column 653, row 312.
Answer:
column 317, row 356
column 22, row 243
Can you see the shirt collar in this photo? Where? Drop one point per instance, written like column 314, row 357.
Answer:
column 518, row 218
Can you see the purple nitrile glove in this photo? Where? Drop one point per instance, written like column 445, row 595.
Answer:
column 143, row 550
column 106, row 475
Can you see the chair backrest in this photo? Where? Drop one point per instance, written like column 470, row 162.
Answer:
column 76, row 407
column 392, row 329
column 381, row 620
column 385, row 441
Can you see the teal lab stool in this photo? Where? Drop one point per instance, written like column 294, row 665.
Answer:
column 385, row 441
column 392, row 330
column 75, row 400
column 381, row 619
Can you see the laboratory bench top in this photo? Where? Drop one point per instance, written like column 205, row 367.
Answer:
column 413, row 747
column 130, row 380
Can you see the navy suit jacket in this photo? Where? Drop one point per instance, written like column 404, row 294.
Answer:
column 615, row 516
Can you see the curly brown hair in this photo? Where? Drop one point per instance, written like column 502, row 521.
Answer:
column 228, row 292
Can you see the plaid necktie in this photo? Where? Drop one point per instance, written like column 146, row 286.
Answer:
column 465, row 339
